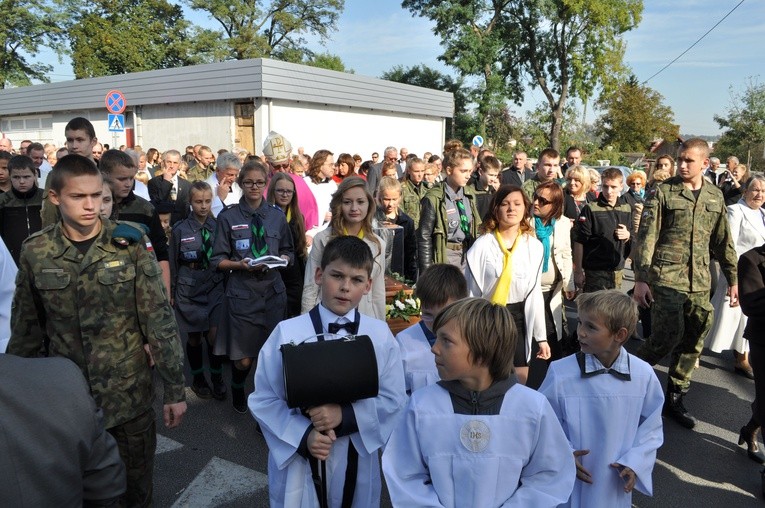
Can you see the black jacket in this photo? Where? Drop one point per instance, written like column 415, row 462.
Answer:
column 751, row 292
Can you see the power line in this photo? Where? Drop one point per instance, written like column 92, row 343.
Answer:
column 692, row 45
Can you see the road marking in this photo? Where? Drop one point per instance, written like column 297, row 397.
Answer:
column 219, row 483
column 165, row 444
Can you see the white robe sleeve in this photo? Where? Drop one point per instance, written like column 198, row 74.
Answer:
column 649, row 437
column 406, row 475
column 283, row 428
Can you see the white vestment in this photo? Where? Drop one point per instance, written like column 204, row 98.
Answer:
column 618, row 420
column 519, row 457
column 289, row 474
column 419, row 362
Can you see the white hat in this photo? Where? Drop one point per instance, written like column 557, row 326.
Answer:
column 276, row 147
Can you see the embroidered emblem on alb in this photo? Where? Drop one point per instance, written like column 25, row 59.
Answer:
column 475, row 435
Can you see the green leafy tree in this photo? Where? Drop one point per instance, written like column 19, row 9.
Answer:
column 633, row 116
column 564, row 48
column 463, row 125
column 275, row 29
column 744, row 125
column 328, row 61
column 26, row 27
column 120, row 36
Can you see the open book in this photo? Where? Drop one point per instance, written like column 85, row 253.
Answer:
column 269, row 261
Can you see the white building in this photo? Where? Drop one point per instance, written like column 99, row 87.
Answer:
column 236, row 104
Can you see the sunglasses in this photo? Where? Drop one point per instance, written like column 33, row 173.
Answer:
column 277, row 167
column 542, row 201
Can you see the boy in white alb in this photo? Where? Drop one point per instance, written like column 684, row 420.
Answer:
column 609, row 403
column 477, row 438
column 438, row 286
column 344, row 436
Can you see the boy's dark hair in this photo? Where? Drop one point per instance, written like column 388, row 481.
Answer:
column 110, row 159
column 350, row 250
column 549, row 153
column 69, row 167
column 21, row 162
column 489, row 331
column 611, row 174
column 5, row 155
column 81, row 124
column 440, row 283
column 616, row 309
column 489, row 162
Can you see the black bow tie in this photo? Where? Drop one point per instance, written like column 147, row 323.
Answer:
column 620, row 375
column 351, row 328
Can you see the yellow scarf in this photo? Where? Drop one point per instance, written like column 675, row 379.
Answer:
column 360, row 235
column 503, row 284
column 289, row 214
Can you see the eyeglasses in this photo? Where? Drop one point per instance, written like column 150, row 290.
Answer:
column 277, row 167
column 249, row 184
column 542, row 201
column 286, row 192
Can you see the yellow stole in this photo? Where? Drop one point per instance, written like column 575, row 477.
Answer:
column 360, row 235
column 506, row 277
column 289, row 214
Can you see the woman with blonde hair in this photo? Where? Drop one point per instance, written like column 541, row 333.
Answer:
column 353, row 209
column 577, row 192
column 504, row 265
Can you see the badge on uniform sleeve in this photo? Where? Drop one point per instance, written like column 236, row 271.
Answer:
column 243, row 244
column 475, row 435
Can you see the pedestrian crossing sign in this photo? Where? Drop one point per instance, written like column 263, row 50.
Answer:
column 116, row 123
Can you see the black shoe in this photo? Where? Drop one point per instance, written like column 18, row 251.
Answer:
column 748, row 435
column 239, row 400
column 674, row 408
column 219, row 389
column 747, row 372
column 201, row 389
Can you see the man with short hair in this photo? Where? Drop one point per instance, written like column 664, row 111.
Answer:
column 36, row 152
column 517, row 173
column 169, row 190
column 277, row 151
column 375, row 156
column 24, row 146
column 681, row 225
column 548, row 166
column 403, row 154
column 98, row 151
column 486, row 182
column 223, row 182
column 375, row 172
column 204, row 168
column 193, row 162
column 6, row 145
column 573, row 158
column 732, row 163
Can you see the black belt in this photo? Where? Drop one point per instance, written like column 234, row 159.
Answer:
column 454, row 245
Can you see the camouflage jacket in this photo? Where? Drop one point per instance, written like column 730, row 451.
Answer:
column 99, row 310
column 678, row 232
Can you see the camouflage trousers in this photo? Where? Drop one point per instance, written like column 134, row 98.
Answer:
column 595, row 280
column 680, row 322
column 137, row 442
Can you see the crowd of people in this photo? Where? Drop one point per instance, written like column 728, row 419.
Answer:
column 122, row 258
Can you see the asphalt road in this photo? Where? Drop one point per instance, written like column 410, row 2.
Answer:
column 216, row 458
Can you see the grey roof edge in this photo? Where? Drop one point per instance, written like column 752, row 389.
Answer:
column 241, row 79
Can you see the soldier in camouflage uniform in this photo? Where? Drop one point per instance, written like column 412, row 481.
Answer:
column 204, row 168
column 681, row 224
column 91, row 290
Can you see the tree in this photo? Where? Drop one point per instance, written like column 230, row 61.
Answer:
column 120, row 36
column 328, row 61
column 744, row 122
column 565, row 48
column 26, row 27
column 634, row 115
column 463, row 125
column 275, row 29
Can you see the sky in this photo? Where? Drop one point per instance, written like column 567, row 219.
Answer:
column 373, row 36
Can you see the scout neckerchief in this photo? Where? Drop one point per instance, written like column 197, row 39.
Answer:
column 360, row 234
column 206, row 247
column 503, row 284
column 259, row 246
column 464, row 223
column 289, row 213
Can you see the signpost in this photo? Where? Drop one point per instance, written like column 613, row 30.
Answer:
column 115, row 104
